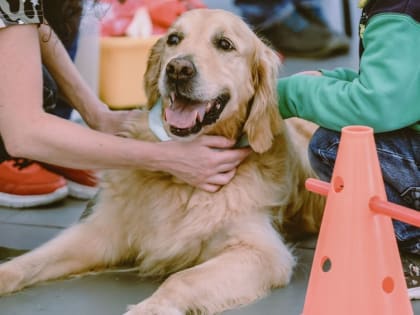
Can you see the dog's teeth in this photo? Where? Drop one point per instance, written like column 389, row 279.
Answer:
column 172, row 98
column 208, row 107
column 217, row 106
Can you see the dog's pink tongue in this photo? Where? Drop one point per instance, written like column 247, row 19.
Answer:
column 184, row 115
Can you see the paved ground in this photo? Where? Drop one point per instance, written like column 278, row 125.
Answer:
column 109, row 293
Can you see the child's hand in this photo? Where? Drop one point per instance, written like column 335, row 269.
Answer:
column 310, row 72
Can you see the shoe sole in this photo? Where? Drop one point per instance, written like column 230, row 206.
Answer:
column 414, row 293
column 79, row 191
column 29, row 201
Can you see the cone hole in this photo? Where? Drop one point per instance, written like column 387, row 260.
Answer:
column 388, row 285
column 326, row 264
column 338, row 184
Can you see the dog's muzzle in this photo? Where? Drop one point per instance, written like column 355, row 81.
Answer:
column 186, row 114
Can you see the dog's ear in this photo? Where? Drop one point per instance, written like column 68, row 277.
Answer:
column 264, row 121
column 151, row 76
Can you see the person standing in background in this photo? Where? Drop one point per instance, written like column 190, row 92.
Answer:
column 296, row 28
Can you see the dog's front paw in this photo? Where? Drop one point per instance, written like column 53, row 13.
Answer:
column 147, row 308
column 10, row 280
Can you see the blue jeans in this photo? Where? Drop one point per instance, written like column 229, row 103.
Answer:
column 399, row 158
column 265, row 13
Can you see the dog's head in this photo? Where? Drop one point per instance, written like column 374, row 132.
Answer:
column 215, row 76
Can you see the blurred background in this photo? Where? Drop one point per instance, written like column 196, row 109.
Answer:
column 113, row 66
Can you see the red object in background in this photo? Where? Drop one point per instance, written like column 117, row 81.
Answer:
column 118, row 16
column 162, row 14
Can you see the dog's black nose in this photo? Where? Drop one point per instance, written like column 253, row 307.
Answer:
column 180, row 69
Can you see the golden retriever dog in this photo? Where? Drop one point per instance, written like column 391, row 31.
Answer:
column 210, row 74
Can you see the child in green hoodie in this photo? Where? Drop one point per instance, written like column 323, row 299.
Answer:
column 385, row 95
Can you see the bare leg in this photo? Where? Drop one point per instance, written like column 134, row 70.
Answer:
column 236, row 277
column 77, row 249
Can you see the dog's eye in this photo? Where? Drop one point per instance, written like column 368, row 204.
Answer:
column 173, row 39
column 225, row 44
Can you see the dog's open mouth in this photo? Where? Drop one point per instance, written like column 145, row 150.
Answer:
column 186, row 116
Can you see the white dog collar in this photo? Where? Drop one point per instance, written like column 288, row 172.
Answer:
column 155, row 122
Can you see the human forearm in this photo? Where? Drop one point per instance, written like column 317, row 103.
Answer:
column 68, row 144
column 343, row 74
column 71, row 83
column 50, row 139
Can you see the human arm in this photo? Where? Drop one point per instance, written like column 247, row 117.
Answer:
column 384, row 95
column 73, row 87
column 28, row 131
column 339, row 73
column 343, row 74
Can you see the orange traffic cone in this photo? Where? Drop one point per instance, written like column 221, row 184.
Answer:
column 356, row 268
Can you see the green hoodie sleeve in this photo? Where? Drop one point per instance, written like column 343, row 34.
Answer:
column 385, row 95
column 340, row 74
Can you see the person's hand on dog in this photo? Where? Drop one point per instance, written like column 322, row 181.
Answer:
column 208, row 162
column 109, row 121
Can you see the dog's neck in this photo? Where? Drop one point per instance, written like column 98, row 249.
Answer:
column 156, row 123
column 156, row 126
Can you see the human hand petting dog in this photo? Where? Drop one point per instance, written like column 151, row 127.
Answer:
column 109, row 121
column 208, row 162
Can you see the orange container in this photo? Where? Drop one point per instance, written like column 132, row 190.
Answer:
column 122, row 65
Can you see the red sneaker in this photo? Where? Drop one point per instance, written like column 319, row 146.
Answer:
column 24, row 184
column 82, row 184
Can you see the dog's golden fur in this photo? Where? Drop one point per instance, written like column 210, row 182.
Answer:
column 219, row 250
